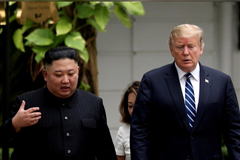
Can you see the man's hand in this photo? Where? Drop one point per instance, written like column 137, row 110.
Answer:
column 25, row 118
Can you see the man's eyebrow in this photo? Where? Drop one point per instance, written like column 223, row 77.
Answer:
column 62, row 71
column 58, row 71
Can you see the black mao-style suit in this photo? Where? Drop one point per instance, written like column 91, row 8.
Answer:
column 74, row 128
column 159, row 126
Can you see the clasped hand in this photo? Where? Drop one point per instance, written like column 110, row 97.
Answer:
column 25, row 118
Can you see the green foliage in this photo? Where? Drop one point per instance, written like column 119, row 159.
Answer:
column 95, row 25
column 102, row 15
column 84, row 86
column 17, row 39
column 64, row 26
column 224, row 150
column 225, row 153
column 75, row 40
column 10, row 152
column 134, row 8
column 40, row 38
column 84, row 10
column 123, row 16
column 63, row 4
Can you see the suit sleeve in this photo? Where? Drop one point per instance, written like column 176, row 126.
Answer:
column 7, row 131
column 105, row 147
column 139, row 134
column 232, row 123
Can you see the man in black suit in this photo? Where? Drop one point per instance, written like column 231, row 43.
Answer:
column 183, row 116
column 59, row 121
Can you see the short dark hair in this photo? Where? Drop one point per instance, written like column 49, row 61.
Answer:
column 123, row 107
column 60, row 52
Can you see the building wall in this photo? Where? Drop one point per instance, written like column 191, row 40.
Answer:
column 125, row 54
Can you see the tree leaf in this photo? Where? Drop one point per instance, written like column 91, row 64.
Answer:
column 84, row 10
column 25, row 28
column 134, row 8
column 95, row 25
column 40, row 52
column 122, row 16
column 12, row 18
column 93, row 3
column 27, row 43
column 63, row 4
column 108, row 4
column 84, row 54
column 12, row 3
column 29, row 22
column 63, row 26
column 59, row 40
column 38, row 58
column 75, row 40
column 41, row 37
column 84, row 86
column 102, row 15
column 18, row 40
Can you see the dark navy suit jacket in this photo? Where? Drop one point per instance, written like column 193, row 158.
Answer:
column 159, row 126
column 74, row 128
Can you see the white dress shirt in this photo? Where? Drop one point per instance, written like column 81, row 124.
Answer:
column 195, row 80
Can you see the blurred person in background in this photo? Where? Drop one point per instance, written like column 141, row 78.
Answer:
column 122, row 143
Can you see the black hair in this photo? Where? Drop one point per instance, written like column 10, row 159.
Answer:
column 60, row 52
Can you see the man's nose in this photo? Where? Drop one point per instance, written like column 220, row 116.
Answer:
column 65, row 79
column 185, row 50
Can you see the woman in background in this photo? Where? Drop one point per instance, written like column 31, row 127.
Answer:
column 122, row 142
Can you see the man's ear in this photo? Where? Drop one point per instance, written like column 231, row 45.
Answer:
column 171, row 50
column 78, row 71
column 44, row 72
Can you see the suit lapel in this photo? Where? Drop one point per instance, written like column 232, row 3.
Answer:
column 176, row 93
column 205, row 83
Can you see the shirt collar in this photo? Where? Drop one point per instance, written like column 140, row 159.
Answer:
column 195, row 72
column 70, row 101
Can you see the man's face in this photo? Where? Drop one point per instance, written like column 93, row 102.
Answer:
column 186, row 52
column 62, row 77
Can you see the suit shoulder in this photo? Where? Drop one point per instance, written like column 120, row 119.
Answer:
column 214, row 72
column 33, row 93
column 86, row 94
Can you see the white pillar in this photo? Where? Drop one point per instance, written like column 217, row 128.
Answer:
column 226, row 37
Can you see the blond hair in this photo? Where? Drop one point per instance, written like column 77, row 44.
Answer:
column 186, row 31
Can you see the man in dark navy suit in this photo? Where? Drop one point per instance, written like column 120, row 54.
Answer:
column 183, row 109
column 59, row 121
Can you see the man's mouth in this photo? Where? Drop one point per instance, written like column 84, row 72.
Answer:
column 65, row 88
column 186, row 60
